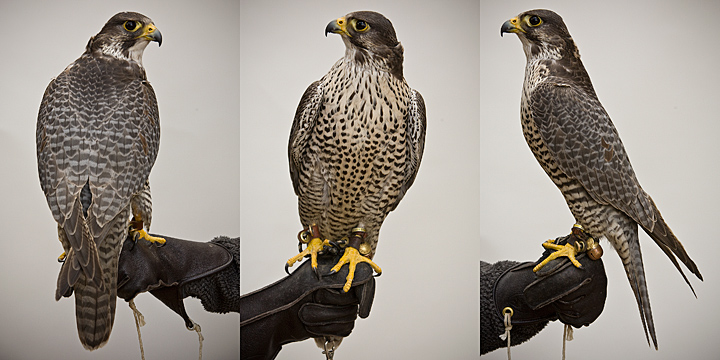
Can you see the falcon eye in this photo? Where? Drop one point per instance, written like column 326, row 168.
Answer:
column 534, row 21
column 131, row 26
column 360, row 25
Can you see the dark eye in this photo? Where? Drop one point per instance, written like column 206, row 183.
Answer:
column 131, row 26
column 534, row 21
column 360, row 25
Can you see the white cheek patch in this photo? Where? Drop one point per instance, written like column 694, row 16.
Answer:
column 135, row 52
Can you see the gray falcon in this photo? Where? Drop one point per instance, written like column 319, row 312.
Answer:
column 577, row 145
column 97, row 139
column 356, row 141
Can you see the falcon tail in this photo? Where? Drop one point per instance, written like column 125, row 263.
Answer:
column 94, row 304
column 631, row 256
column 672, row 247
column 94, row 313
column 95, row 297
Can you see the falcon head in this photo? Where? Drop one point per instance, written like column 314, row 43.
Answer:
column 369, row 39
column 542, row 33
column 125, row 37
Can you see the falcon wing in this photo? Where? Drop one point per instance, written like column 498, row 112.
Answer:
column 109, row 138
column 415, row 146
column 586, row 146
column 305, row 117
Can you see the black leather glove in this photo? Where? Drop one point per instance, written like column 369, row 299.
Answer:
column 209, row 271
column 559, row 290
column 301, row 306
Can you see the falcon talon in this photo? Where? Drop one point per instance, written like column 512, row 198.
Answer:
column 352, row 257
column 142, row 234
column 561, row 250
column 313, row 248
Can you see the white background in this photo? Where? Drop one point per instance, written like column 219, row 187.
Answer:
column 194, row 181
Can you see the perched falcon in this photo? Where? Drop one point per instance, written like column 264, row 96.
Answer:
column 356, row 141
column 97, row 139
column 577, row 145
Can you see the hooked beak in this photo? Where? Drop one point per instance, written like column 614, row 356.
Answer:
column 511, row 26
column 151, row 33
column 338, row 26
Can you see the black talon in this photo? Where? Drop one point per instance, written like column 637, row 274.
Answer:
column 286, row 268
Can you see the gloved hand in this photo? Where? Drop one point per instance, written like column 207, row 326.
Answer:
column 209, row 271
column 559, row 290
column 301, row 306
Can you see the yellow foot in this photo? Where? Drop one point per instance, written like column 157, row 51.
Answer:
column 142, row 234
column 314, row 246
column 352, row 257
column 62, row 257
column 562, row 250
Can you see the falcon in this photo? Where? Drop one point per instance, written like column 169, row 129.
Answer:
column 97, row 139
column 356, row 142
column 575, row 142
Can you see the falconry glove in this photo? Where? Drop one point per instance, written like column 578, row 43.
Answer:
column 300, row 306
column 559, row 290
column 209, row 271
column 576, row 296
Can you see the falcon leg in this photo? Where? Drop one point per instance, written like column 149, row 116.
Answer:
column 353, row 257
column 61, row 258
column 314, row 246
column 138, row 232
